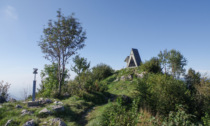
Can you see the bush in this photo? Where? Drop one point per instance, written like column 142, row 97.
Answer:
column 49, row 85
column 151, row 66
column 4, row 91
column 101, row 71
column 119, row 115
column 179, row 118
column 161, row 93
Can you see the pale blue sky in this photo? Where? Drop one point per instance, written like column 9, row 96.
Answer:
column 113, row 27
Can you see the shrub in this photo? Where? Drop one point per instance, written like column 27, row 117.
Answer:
column 179, row 118
column 4, row 91
column 101, row 71
column 162, row 92
column 152, row 66
column 49, row 85
column 119, row 115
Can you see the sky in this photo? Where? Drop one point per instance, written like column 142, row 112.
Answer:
column 113, row 27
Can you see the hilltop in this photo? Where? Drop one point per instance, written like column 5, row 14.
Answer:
column 131, row 97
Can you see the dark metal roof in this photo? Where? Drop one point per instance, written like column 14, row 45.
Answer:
column 137, row 56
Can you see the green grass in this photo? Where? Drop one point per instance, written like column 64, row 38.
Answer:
column 75, row 107
column 94, row 117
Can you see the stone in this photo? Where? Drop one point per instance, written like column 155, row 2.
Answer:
column 58, row 102
column 128, row 77
column 117, row 79
column 25, row 112
column 57, row 122
column 141, row 75
column 18, row 106
column 122, row 78
column 57, row 108
column 33, row 103
column 45, row 111
column 29, row 123
column 8, row 122
column 47, row 100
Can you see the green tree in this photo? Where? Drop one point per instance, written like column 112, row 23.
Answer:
column 152, row 66
column 81, row 65
column 173, row 62
column 192, row 79
column 163, row 57
column 101, row 71
column 61, row 40
column 176, row 62
column 50, row 81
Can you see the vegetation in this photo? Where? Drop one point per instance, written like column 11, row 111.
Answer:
column 61, row 40
column 4, row 91
column 173, row 62
column 50, row 81
column 151, row 94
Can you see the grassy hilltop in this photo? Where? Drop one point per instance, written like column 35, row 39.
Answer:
column 129, row 97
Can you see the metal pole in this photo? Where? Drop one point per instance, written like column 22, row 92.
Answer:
column 34, row 84
column 34, row 90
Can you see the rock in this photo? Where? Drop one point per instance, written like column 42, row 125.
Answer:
column 47, row 100
column 141, row 75
column 45, row 111
column 57, row 122
column 122, row 78
column 25, row 112
column 128, row 77
column 18, row 106
column 29, row 123
column 57, row 108
column 8, row 123
column 12, row 100
column 33, row 103
column 117, row 79
column 41, row 99
column 58, row 102
column 0, row 106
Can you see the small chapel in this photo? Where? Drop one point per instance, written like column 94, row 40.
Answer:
column 134, row 60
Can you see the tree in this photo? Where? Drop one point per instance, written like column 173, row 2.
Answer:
column 81, row 65
column 153, row 66
column 101, row 71
column 49, row 80
column 176, row 62
column 192, row 79
column 173, row 62
column 163, row 57
column 62, row 39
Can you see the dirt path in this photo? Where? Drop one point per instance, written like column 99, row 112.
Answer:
column 83, row 121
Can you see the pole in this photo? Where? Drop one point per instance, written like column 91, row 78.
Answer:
column 34, row 85
column 34, row 90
